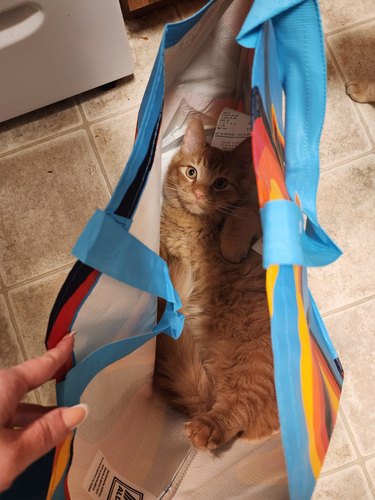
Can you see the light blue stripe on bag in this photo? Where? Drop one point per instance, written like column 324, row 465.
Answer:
column 287, row 352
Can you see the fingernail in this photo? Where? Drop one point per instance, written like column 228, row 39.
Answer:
column 75, row 415
column 68, row 336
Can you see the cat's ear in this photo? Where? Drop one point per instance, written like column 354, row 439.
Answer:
column 195, row 138
column 242, row 153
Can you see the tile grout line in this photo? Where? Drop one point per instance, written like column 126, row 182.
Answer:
column 107, row 116
column 19, row 339
column 339, row 469
column 69, row 130
column 95, row 147
column 351, row 305
column 349, row 27
column 36, row 278
column 341, row 163
column 334, row 471
column 4, row 292
column 361, row 459
column 356, row 461
column 86, row 127
column 351, row 436
column 353, row 103
column 41, row 119
column 366, row 127
column 41, row 141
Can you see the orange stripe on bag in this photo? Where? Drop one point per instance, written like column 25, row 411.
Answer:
column 60, row 462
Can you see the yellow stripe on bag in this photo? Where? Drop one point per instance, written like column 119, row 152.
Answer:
column 271, row 277
column 275, row 191
column 306, row 370
column 276, row 126
column 59, row 465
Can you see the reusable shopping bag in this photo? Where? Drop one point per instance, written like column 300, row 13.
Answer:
column 226, row 57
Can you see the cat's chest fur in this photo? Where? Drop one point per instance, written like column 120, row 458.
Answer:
column 195, row 245
column 217, row 285
column 187, row 238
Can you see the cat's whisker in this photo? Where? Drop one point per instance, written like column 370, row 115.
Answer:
column 223, row 211
column 173, row 189
column 225, row 207
column 232, row 214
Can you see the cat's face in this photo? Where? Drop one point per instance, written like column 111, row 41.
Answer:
column 205, row 181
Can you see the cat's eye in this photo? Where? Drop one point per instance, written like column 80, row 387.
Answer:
column 191, row 172
column 220, row 183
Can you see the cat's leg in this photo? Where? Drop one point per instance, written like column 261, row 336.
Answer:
column 361, row 90
column 182, row 278
column 238, row 232
column 230, row 418
column 180, row 374
column 217, row 426
column 245, row 401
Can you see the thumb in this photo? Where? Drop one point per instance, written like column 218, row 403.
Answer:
column 46, row 433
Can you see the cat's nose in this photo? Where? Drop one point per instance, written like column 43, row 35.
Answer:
column 199, row 195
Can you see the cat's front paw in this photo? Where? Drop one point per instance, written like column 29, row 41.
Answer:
column 233, row 251
column 204, row 432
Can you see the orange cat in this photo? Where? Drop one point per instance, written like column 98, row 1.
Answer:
column 220, row 371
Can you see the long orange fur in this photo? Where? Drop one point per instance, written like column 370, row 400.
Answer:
column 220, row 372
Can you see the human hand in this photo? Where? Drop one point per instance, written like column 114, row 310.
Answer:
column 39, row 428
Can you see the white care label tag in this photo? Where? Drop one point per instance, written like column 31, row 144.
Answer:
column 104, row 483
column 258, row 246
column 232, row 128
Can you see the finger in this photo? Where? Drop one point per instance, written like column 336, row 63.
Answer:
column 26, row 413
column 35, row 372
column 40, row 437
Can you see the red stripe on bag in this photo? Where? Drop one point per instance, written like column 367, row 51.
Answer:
column 268, row 171
column 66, row 316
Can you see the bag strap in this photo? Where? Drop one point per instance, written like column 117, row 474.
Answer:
column 287, row 242
column 302, row 69
column 105, row 243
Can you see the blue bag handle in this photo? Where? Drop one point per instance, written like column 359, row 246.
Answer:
column 302, row 68
column 287, row 242
column 105, row 243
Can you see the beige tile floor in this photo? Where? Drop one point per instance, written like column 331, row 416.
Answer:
column 60, row 163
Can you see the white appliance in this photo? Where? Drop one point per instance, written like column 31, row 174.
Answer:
column 53, row 49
